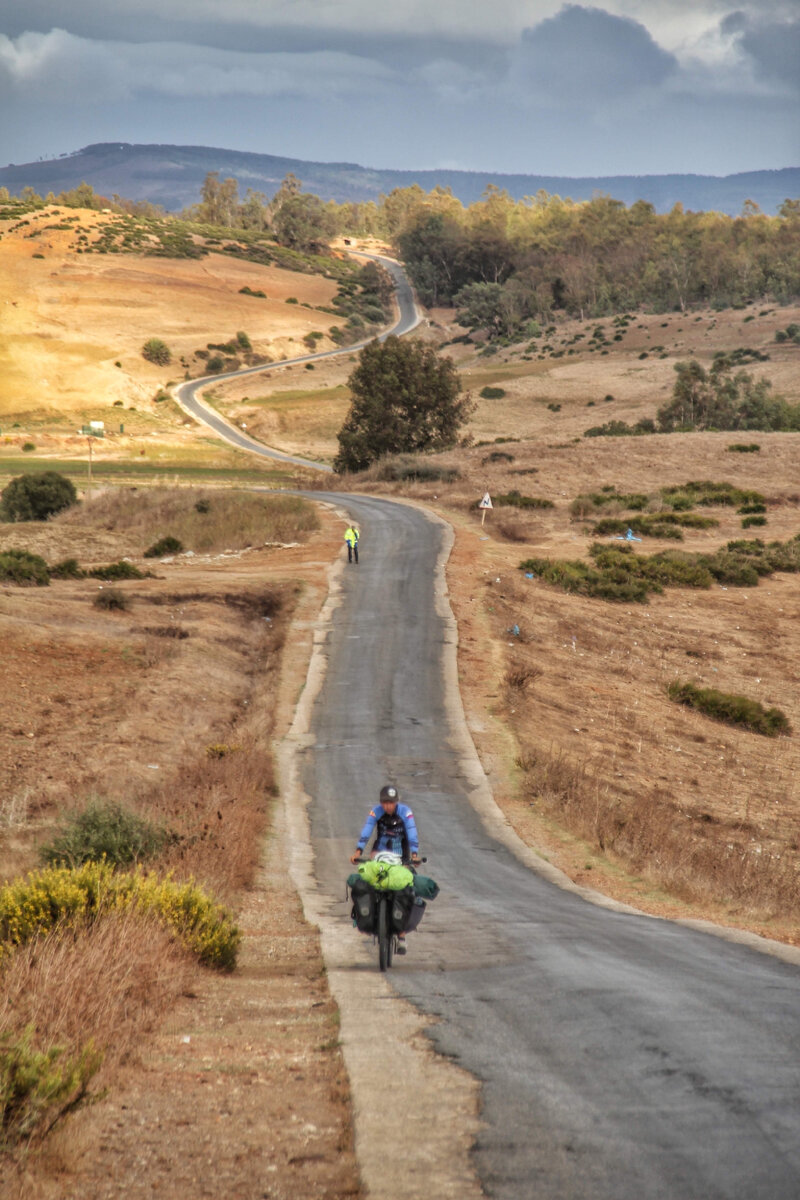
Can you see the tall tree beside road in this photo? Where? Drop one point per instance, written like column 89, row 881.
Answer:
column 220, row 205
column 303, row 223
column 405, row 399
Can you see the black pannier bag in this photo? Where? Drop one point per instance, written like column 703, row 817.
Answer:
column 416, row 914
column 402, row 905
column 364, row 912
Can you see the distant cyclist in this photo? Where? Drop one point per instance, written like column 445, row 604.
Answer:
column 394, row 827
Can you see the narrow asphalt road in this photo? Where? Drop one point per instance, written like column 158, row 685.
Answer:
column 621, row 1057
column 187, row 395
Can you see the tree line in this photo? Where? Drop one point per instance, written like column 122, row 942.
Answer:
column 505, row 263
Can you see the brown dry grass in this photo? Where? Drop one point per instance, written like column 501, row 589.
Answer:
column 178, row 729
column 69, row 318
column 111, row 984
column 205, row 521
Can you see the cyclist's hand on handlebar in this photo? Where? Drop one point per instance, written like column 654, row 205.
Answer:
column 354, row 858
column 415, row 858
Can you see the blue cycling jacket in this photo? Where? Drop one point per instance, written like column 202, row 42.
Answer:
column 397, row 833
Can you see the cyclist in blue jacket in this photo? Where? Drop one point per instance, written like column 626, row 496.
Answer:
column 394, row 826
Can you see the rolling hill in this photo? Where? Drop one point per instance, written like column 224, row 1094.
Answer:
column 172, row 176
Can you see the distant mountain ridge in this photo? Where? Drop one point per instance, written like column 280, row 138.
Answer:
column 173, row 175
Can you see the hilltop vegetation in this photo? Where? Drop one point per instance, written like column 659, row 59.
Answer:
column 506, row 266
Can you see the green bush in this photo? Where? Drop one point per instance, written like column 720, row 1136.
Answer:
column 708, row 493
column 23, row 568
column 747, row 522
column 105, row 832
column 642, row 526
column 39, row 1087
column 117, row 570
column 622, row 429
column 618, row 573
column 661, row 524
column 36, row 497
column 731, row 709
column 515, row 499
column 492, row 393
column 156, row 351
column 165, row 545
column 68, row 568
column 32, row 906
column 744, row 448
column 28, row 446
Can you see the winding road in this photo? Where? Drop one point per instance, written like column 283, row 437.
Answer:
column 621, row 1057
column 188, row 394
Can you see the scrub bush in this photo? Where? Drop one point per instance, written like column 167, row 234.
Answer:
column 515, row 499
column 112, row 600
column 39, row 1087
column 117, row 570
column 105, row 832
column 32, row 906
column 23, row 568
column 156, row 351
column 36, row 497
column 731, row 709
column 165, row 545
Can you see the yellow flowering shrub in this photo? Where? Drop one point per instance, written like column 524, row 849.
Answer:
column 33, row 905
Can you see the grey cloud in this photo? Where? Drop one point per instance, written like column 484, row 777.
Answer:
column 584, row 55
column 58, row 66
column 774, row 49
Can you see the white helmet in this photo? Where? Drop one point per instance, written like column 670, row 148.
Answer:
column 387, row 856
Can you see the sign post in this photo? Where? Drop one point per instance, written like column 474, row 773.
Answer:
column 486, row 503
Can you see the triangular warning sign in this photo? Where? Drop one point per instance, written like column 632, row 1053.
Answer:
column 486, row 502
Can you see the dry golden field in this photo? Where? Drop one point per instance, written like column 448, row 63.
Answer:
column 596, row 768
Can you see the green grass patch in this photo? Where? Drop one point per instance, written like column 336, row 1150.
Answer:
column 731, row 709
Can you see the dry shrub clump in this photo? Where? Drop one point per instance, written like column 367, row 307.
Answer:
column 205, row 522
column 220, row 810
column 404, row 468
column 656, row 837
column 73, row 1007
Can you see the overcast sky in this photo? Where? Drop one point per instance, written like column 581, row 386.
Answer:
column 625, row 87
